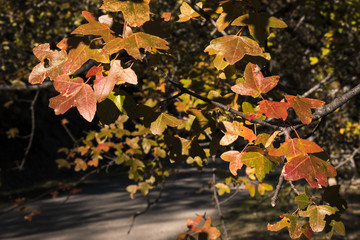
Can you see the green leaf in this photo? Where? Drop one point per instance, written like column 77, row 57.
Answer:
column 303, row 201
column 260, row 162
column 317, row 215
column 259, row 24
column 158, row 126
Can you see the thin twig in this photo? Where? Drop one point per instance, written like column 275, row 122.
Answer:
column 314, row 88
column 217, row 203
column 237, row 190
column 203, row 14
column 149, row 204
column 294, row 188
column 27, row 150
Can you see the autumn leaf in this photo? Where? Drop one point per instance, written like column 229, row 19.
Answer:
column 255, row 83
column 294, row 147
column 94, row 28
column 291, row 222
column 222, row 188
column 273, row 109
column 303, row 201
column 119, row 75
column 136, row 13
column 230, row 10
column 56, row 61
column 262, row 187
column 74, row 92
column 94, row 70
column 166, row 16
column 234, row 157
column 81, row 54
column 302, row 107
column 134, row 42
column 259, row 161
column 310, row 168
column 316, row 215
column 233, row 47
column 187, row 12
column 158, row 126
column 234, row 130
column 212, row 232
column 259, row 24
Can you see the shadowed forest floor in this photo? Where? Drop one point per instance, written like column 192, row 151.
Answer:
column 104, row 210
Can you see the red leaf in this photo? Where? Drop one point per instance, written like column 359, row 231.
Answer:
column 94, row 28
column 74, row 92
column 302, row 107
column 103, row 86
column 295, row 147
column 94, row 70
column 255, row 83
column 273, row 109
column 234, row 157
column 311, row 168
column 55, row 68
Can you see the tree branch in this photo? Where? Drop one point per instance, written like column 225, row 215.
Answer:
column 222, row 106
column 45, row 85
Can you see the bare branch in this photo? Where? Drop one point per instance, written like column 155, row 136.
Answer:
column 45, row 85
column 314, row 88
column 32, row 109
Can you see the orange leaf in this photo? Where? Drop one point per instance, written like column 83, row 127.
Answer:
column 134, row 42
column 302, row 107
column 255, row 83
column 55, row 68
column 234, row 157
column 136, row 13
column 273, row 109
column 295, row 147
column 233, row 47
column 94, row 28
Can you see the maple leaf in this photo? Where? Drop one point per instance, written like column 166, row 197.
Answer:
column 294, row 147
column 259, row 24
column 94, row 70
column 81, row 54
column 134, row 42
column 233, row 47
column 103, row 87
column 302, row 107
column 94, row 28
column 316, row 216
column 255, row 83
column 291, row 222
column 310, row 168
column 273, row 109
column 234, row 157
column 230, row 10
column 234, row 130
column 212, row 232
column 187, row 12
column 136, row 13
column 74, row 92
column 55, row 68
column 262, row 187
column 260, row 162
column 223, row 188
column 120, row 75
column 158, row 126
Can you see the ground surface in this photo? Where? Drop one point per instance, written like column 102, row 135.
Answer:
column 104, row 210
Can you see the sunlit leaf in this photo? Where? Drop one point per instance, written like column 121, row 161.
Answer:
column 234, row 157
column 136, row 13
column 317, row 214
column 255, row 83
column 310, row 168
column 158, row 126
column 233, row 47
column 302, row 107
column 293, row 147
column 260, row 162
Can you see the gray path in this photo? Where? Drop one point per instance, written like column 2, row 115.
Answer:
column 103, row 211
